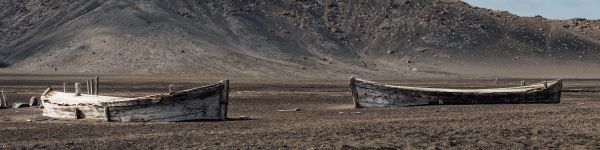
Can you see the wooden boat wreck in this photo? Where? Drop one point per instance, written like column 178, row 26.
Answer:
column 370, row 94
column 201, row 103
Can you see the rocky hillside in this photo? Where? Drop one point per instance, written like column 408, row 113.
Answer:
column 307, row 38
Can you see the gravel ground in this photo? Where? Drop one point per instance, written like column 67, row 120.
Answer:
column 326, row 119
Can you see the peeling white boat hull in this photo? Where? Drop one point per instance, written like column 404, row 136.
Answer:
column 202, row 103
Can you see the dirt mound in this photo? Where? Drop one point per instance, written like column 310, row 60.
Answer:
column 310, row 38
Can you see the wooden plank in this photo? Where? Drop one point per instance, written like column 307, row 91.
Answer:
column 65, row 87
column 48, row 90
column 207, row 108
column 62, row 112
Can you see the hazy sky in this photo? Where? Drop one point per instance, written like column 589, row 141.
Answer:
column 553, row 9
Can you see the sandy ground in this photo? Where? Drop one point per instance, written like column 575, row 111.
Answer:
column 326, row 120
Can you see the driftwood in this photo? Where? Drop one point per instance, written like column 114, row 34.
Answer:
column 371, row 94
column 207, row 102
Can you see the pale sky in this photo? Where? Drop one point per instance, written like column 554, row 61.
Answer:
column 552, row 9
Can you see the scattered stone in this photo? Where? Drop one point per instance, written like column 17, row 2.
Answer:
column 410, row 61
column 356, row 112
column 414, row 69
column 390, row 52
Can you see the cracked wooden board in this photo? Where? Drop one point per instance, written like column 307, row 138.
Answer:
column 201, row 103
column 370, row 94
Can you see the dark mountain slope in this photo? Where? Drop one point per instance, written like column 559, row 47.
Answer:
column 291, row 38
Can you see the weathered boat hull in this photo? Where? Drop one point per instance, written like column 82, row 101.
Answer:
column 202, row 103
column 371, row 94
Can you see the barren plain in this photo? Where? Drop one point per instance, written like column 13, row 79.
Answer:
column 326, row 119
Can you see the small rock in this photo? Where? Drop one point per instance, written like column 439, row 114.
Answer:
column 28, row 120
column 410, row 61
column 357, row 112
column 414, row 69
column 341, row 112
column 390, row 52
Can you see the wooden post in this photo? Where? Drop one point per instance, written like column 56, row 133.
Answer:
column 96, row 84
column 1, row 102
column 522, row 83
column 496, row 81
column 172, row 89
column 353, row 92
column 77, row 89
column 4, row 103
column 224, row 101
column 87, row 86
column 65, row 87
column 92, row 83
